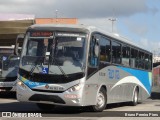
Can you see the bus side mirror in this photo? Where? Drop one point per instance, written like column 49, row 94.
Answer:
column 16, row 49
column 18, row 43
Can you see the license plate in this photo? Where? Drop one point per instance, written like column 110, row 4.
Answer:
column 6, row 84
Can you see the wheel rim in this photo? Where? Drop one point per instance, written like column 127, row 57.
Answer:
column 135, row 97
column 100, row 100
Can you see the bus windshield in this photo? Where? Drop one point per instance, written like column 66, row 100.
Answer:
column 59, row 54
column 8, row 62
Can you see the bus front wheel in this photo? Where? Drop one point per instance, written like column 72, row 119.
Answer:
column 101, row 101
column 46, row 107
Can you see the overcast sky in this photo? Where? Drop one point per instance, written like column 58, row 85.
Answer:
column 138, row 20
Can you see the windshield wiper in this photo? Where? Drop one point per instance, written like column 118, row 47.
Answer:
column 53, row 60
column 33, row 68
column 62, row 71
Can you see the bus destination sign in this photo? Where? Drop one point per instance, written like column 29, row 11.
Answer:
column 41, row 34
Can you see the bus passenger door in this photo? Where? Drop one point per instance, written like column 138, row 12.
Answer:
column 92, row 72
column 93, row 59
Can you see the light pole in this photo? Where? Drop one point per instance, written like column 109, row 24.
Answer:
column 112, row 20
column 56, row 16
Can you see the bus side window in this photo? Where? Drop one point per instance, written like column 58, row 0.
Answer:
column 116, row 52
column 126, row 55
column 134, row 61
column 133, row 58
column 136, row 54
column 150, row 63
column 93, row 52
column 146, row 61
column 141, row 60
column 105, row 49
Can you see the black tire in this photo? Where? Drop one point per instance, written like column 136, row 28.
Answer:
column 101, row 101
column 46, row 107
column 135, row 98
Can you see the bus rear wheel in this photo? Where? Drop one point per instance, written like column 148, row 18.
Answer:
column 135, row 97
column 46, row 107
column 101, row 101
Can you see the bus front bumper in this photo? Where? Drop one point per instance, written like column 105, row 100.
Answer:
column 25, row 94
column 8, row 86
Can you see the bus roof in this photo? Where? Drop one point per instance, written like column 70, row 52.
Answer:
column 85, row 28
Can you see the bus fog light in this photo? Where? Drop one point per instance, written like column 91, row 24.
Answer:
column 76, row 101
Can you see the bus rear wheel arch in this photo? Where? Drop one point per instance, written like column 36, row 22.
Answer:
column 101, row 101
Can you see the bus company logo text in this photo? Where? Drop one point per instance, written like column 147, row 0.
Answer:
column 57, row 88
column 34, row 83
column 145, row 114
column 113, row 74
column 20, row 115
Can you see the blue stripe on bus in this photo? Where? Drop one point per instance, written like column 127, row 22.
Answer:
column 143, row 76
column 31, row 84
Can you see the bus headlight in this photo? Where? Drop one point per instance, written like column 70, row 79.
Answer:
column 75, row 88
column 21, row 84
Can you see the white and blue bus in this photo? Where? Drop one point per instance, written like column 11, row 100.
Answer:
column 77, row 65
column 9, row 64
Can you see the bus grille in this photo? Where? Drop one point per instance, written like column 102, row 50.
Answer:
column 7, row 79
column 48, row 91
column 5, row 88
column 49, row 98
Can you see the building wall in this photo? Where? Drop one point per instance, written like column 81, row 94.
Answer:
column 56, row 21
column 9, row 29
column 156, row 59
